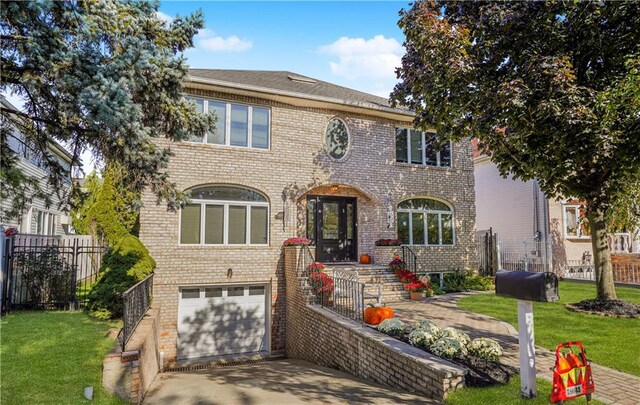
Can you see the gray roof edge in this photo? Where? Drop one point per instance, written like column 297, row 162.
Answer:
column 268, row 90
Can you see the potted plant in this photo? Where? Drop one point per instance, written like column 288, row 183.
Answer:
column 416, row 289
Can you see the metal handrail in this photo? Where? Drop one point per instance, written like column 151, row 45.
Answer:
column 137, row 301
column 410, row 258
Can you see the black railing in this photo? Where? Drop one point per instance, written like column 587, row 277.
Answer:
column 410, row 259
column 137, row 301
column 49, row 272
column 342, row 294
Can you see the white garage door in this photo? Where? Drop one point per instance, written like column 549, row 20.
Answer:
column 221, row 320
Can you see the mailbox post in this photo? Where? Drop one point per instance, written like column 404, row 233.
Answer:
column 527, row 287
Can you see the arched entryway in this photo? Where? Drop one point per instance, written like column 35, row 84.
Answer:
column 331, row 221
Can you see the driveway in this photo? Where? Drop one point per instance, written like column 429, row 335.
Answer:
column 282, row 382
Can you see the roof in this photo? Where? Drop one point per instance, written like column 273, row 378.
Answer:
column 293, row 84
column 53, row 144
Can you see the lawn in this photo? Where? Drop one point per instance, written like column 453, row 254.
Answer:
column 611, row 342
column 506, row 395
column 50, row 357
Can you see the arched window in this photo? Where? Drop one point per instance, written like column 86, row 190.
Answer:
column 425, row 221
column 224, row 215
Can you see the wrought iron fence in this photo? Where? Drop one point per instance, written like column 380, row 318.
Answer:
column 49, row 272
column 137, row 301
column 524, row 255
column 410, row 259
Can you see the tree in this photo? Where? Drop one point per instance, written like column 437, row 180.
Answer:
column 100, row 75
column 550, row 89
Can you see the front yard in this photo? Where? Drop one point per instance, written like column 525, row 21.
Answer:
column 50, row 357
column 611, row 342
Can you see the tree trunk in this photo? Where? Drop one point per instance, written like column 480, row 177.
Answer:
column 601, row 254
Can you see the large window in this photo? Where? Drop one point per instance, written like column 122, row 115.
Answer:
column 224, row 215
column 237, row 124
column 575, row 222
column 46, row 223
column 418, row 148
column 425, row 221
column 336, row 138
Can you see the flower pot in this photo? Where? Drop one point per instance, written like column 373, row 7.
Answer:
column 416, row 296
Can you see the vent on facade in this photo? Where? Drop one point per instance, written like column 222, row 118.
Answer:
column 301, row 79
column 225, row 364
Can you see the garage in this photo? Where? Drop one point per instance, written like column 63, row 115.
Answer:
column 222, row 320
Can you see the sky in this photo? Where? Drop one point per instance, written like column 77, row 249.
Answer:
column 356, row 44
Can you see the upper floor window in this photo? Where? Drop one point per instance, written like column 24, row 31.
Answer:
column 425, row 221
column 237, row 124
column 575, row 222
column 336, row 139
column 417, row 147
column 46, row 223
column 224, row 215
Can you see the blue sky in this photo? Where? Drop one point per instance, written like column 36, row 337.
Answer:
column 355, row 44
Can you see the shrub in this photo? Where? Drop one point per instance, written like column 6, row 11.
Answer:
column 392, row 327
column 456, row 334
column 448, row 348
column 297, row 242
column 46, row 276
column 423, row 337
column 466, row 281
column 397, row 264
column 322, row 283
column 428, row 326
column 126, row 263
column 388, row 242
column 485, row 348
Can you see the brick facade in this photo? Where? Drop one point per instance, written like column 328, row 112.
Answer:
column 297, row 165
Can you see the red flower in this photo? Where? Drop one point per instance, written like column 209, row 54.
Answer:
column 297, row 242
column 417, row 286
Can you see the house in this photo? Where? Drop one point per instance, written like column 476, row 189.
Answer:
column 520, row 213
column 39, row 219
column 292, row 156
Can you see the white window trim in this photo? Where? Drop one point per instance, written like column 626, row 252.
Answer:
column 225, row 225
column 424, row 150
column 564, row 222
column 227, row 124
column 425, row 227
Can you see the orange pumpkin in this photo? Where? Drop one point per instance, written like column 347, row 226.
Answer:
column 365, row 259
column 375, row 315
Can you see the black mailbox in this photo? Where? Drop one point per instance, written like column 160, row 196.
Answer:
column 527, row 286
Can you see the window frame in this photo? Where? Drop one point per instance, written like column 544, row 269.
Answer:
column 423, row 150
column 425, row 216
column 577, row 219
column 227, row 123
column 225, row 231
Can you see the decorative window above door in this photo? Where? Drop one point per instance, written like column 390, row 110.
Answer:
column 336, row 139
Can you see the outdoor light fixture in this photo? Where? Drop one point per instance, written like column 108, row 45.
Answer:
column 586, row 257
column 229, row 273
column 334, row 189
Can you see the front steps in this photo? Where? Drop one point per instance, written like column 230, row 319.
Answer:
column 375, row 277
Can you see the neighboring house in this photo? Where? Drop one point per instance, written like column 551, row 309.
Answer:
column 39, row 219
column 292, row 156
column 520, row 212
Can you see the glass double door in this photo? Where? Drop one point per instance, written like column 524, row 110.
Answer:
column 331, row 224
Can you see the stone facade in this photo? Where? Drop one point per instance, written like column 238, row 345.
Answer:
column 297, row 165
column 319, row 336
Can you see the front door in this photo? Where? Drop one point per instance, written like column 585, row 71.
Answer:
column 331, row 224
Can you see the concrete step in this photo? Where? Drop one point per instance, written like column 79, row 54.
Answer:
column 378, row 278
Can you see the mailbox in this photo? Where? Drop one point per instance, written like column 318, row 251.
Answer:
column 527, row 286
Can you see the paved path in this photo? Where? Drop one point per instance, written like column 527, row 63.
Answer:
column 612, row 386
column 285, row 382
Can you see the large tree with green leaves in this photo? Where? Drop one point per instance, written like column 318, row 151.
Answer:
column 550, row 89
column 100, row 75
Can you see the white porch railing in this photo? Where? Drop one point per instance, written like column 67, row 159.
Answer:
column 621, row 243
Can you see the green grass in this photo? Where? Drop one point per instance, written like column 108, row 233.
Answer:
column 50, row 357
column 506, row 395
column 611, row 342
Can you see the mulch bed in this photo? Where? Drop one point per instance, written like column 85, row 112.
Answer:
column 614, row 308
column 482, row 373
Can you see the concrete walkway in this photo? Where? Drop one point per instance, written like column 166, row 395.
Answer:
column 612, row 386
column 282, row 382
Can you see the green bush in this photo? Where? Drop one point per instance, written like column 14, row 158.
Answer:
column 126, row 263
column 466, row 281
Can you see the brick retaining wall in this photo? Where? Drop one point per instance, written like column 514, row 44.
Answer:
column 324, row 338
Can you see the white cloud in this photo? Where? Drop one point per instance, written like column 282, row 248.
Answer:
column 164, row 17
column 208, row 40
column 358, row 57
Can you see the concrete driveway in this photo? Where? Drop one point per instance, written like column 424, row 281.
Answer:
column 278, row 382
